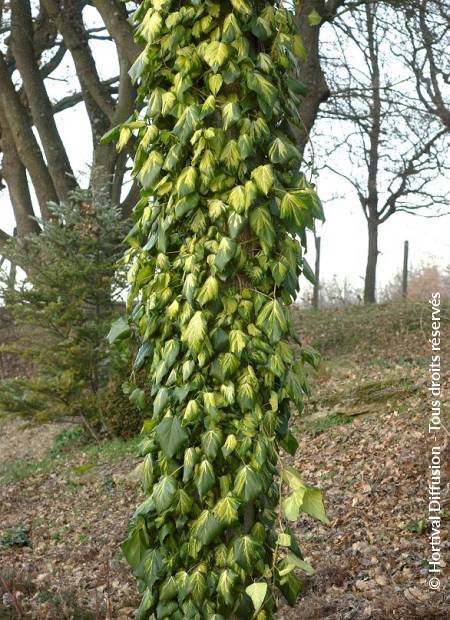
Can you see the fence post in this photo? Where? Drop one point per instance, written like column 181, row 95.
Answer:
column 405, row 270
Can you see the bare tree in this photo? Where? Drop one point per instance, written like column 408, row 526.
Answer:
column 35, row 37
column 424, row 49
column 388, row 145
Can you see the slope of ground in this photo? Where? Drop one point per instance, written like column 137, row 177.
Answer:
column 363, row 440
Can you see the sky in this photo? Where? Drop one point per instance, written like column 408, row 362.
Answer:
column 344, row 235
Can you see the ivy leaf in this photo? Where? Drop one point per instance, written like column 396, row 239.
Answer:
column 231, row 113
column 238, row 341
column 195, row 332
column 257, row 592
column 226, row 251
column 225, row 585
column 160, row 401
column 237, row 199
column 198, row 587
column 216, row 54
column 187, row 181
column 164, row 493
column 291, row 562
column 236, row 224
column 211, row 442
column 226, row 510
column 206, row 528
column 281, row 152
column 272, row 321
column 171, row 435
column 264, row 178
column 243, row 7
column 150, row 170
column 248, row 484
column 313, row 504
column 230, row 29
column 246, row 551
column 292, row 504
column 314, row 19
column 262, row 87
column 261, row 224
column 209, row 291
column 215, row 83
column 119, row 329
column 204, row 477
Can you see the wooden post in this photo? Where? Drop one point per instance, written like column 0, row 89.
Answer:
column 316, row 290
column 405, row 270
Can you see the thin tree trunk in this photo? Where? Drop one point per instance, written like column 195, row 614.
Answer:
column 371, row 268
column 40, row 105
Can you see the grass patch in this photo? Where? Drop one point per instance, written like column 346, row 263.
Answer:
column 15, row 537
column 321, row 425
column 66, row 446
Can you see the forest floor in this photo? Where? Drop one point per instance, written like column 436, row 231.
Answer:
column 363, row 440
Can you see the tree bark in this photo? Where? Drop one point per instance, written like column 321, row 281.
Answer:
column 311, row 72
column 115, row 16
column 372, row 259
column 26, row 144
column 38, row 100
column 15, row 176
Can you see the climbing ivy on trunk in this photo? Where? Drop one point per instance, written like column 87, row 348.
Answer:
column 215, row 259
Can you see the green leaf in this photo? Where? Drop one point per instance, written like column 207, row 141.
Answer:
column 111, row 136
column 171, row 436
column 313, row 504
column 198, row 588
column 206, row 527
column 204, row 477
column 164, row 493
column 225, row 585
column 262, row 87
column 211, row 442
column 248, row 484
column 187, row 181
column 281, row 152
column 242, row 7
column 226, row 251
column 291, row 562
column 236, row 199
column 238, row 341
column 261, row 224
column 150, row 170
column 292, row 505
column 209, row 291
column 226, row 510
column 264, row 178
column 231, row 113
column 162, row 398
column 272, row 321
column 257, row 592
column 216, row 54
column 230, row 29
column 119, row 329
column 195, row 332
column 215, row 83
column 246, row 551
column 314, row 19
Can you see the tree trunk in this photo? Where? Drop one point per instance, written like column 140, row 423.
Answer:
column 371, row 268
column 311, row 73
column 38, row 99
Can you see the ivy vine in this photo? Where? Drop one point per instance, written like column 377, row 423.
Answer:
column 214, row 262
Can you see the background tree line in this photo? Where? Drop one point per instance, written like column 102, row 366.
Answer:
column 379, row 69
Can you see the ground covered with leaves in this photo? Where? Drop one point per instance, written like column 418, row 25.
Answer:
column 363, row 440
